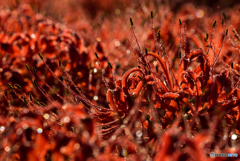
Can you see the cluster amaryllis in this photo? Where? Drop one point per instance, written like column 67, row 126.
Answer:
column 24, row 34
column 155, row 111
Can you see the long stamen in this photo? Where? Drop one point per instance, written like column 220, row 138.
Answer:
column 224, row 39
column 180, row 48
column 85, row 101
column 35, row 72
column 105, row 82
column 211, row 38
column 112, row 71
column 185, row 40
column 154, row 35
column 136, row 37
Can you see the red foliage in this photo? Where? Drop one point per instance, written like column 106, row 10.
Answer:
column 180, row 103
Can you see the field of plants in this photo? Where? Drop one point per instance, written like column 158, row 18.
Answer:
column 119, row 80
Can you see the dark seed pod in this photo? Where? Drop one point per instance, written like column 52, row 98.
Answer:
column 151, row 14
column 31, row 98
column 214, row 23
column 61, row 78
column 96, row 55
column 10, row 86
column 159, row 34
column 110, row 65
column 34, row 70
column 131, row 21
column 40, row 55
column 67, row 80
column 17, row 86
column 180, row 22
column 176, row 100
column 59, row 62
column 35, row 83
column 27, row 67
column 147, row 117
column 42, row 104
column 232, row 65
column 225, row 16
column 222, row 21
column 206, row 37
column 146, row 51
column 37, row 103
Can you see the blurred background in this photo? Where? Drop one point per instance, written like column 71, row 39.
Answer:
column 108, row 21
column 66, row 10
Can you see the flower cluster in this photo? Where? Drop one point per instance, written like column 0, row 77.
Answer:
column 64, row 100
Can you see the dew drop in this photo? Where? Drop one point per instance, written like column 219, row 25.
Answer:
column 76, row 146
column 53, row 119
column 33, row 36
column 114, row 137
column 25, row 126
column 64, row 106
column 95, row 98
column 117, row 12
column 234, row 137
column 225, row 136
column 2, row 128
column 127, row 132
column 39, row 130
column 137, row 124
column 117, row 43
column 66, row 119
column 199, row 13
column 7, row 149
column 66, row 48
column 46, row 116
column 19, row 131
column 124, row 152
column 139, row 133
column 132, row 112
